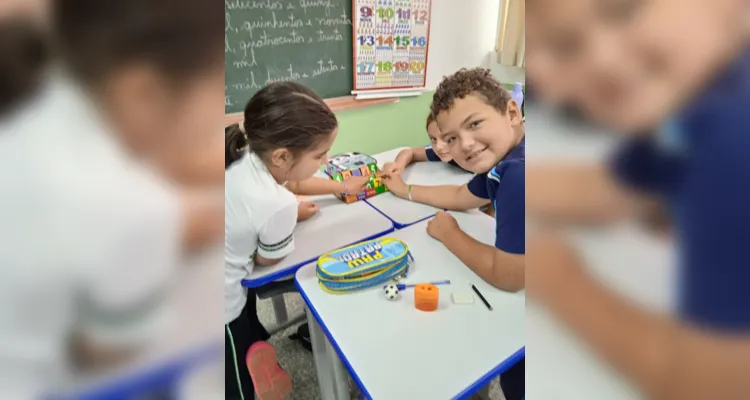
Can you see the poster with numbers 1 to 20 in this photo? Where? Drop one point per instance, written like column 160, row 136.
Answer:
column 390, row 42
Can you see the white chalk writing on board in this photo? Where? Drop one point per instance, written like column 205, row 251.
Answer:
column 265, row 41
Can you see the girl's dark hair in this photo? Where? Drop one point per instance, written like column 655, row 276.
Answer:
column 23, row 54
column 281, row 115
column 180, row 38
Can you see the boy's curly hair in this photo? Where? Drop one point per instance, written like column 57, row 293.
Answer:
column 465, row 82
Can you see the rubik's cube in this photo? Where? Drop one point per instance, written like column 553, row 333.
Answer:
column 343, row 166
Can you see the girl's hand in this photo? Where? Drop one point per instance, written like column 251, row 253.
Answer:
column 396, row 185
column 305, row 210
column 392, row 168
column 356, row 184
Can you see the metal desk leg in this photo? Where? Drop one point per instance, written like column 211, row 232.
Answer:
column 279, row 309
column 340, row 376
column 322, row 359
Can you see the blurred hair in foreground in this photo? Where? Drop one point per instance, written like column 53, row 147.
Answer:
column 670, row 79
column 112, row 212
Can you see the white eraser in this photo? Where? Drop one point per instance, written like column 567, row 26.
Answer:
column 463, row 298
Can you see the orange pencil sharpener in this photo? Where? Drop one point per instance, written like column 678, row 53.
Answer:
column 426, row 297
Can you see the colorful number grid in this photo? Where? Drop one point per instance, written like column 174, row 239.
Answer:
column 390, row 40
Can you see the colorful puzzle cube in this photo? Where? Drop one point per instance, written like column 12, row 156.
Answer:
column 343, row 166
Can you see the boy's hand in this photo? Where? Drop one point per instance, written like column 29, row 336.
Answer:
column 442, row 225
column 392, row 168
column 553, row 266
column 356, row 184
column 305, row 210
column 396, row 185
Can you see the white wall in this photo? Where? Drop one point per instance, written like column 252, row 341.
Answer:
column 463, row 34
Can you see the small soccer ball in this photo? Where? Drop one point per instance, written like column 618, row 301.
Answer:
column 391, row 292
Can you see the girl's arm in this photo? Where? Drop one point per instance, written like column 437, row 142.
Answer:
column 317, row 186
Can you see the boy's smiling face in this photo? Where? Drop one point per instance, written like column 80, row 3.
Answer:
column 631, row 63
column 478, row 135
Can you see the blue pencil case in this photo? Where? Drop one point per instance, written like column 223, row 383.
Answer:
column 363, row 265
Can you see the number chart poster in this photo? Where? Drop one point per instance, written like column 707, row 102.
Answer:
column 390, row 43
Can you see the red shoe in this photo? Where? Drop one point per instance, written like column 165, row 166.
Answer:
column 270, row 380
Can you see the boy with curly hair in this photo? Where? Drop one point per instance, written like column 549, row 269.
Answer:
column 482, row 128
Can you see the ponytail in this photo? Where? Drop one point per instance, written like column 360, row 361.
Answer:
column 23, row 55
column 235, row 144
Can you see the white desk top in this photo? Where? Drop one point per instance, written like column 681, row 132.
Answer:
column 404, row 212
column 399, row 352
column 336, row 225
column 629, row 261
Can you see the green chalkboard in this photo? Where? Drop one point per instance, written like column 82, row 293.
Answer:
column 306, row 41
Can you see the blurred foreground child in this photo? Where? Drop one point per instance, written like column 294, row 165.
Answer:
column 91, row 237
column 680, row 98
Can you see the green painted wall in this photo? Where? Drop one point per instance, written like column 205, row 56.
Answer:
column 382, row 127
column 378, row 128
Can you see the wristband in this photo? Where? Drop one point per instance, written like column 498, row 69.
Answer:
column 410, row 193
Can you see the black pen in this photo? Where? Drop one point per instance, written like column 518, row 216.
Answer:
column 489, row 307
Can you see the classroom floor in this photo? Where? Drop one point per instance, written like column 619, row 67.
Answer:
column 299, row 362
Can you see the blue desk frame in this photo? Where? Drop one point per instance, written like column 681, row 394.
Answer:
column 165, row 376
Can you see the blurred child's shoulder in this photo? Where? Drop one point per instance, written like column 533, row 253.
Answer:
column 723, row 102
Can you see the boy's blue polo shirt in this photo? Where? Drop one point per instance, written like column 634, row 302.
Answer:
column 700, row 166
column 432, row 156
column 505, row 186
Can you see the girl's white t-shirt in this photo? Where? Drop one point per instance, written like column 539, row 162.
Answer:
column 89, row 239
column 259, row 216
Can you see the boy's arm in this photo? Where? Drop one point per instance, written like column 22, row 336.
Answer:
column 502, row 265
column 407, row 156
column 448, row 197
column 666, row 359
column 569, row 192
column 418, row 154
column 403, row 159
column 502, row 270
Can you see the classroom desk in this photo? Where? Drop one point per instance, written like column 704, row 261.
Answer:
column 394, row 351
column 403, row 212
column 337, row 224
column 633, row 263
